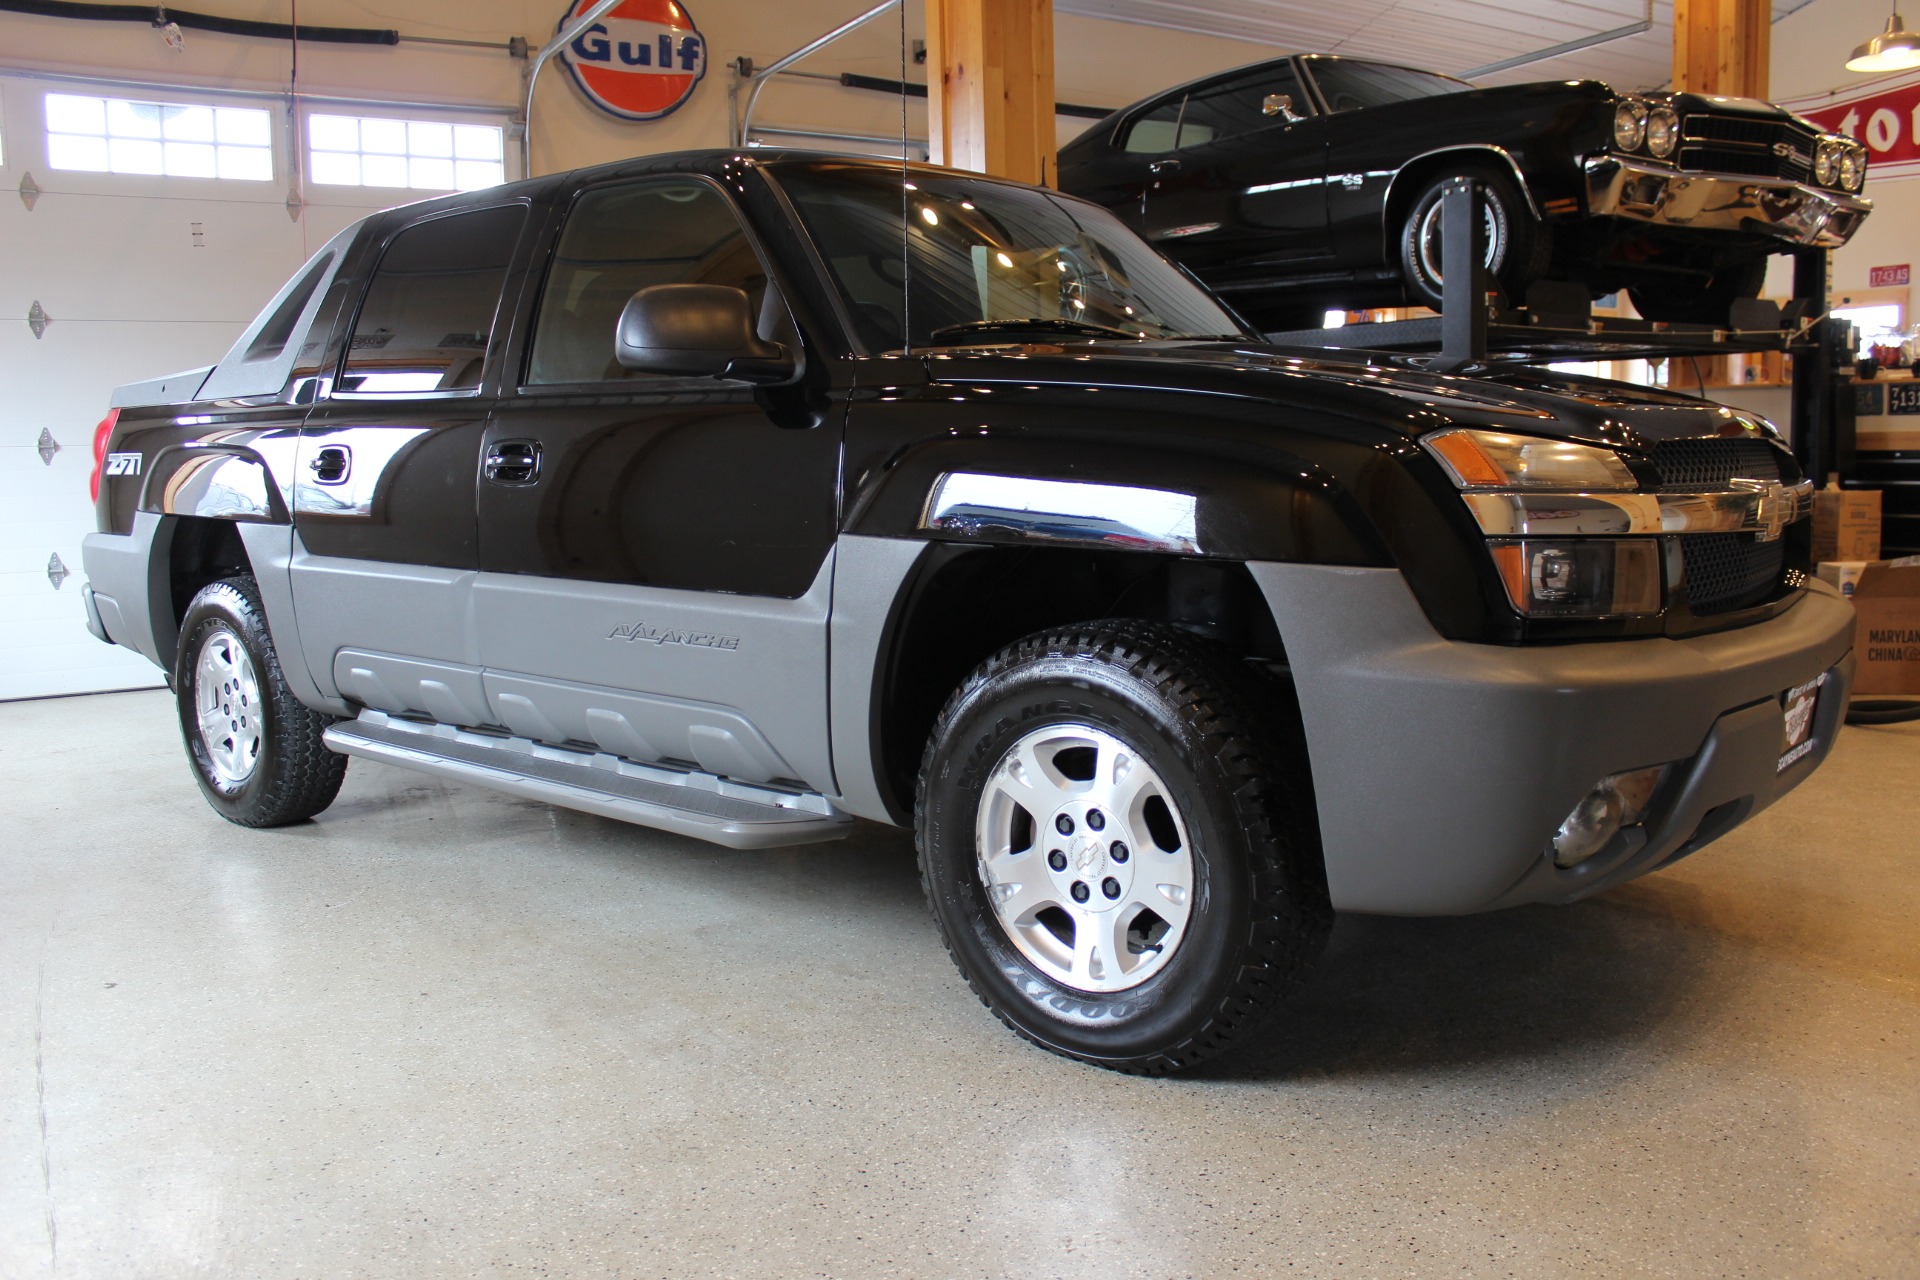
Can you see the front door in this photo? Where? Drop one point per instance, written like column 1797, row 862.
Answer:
column 383, row 487
column 656, row 551
column 1245, row 188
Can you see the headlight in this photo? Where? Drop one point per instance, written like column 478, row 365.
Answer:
column 1581, row 578
column 1663, row 131
column 1853, row 167
column 1826, row 162
column 1629, row 124
column 1495, row 460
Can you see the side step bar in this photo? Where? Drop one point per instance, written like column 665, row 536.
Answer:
column 701, row 805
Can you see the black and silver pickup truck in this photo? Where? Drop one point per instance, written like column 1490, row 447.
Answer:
column 744, row 495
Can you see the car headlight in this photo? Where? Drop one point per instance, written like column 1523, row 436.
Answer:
column 1581, row 577
column 1826, row 161
column 1663, row 131
column 1630, row 124
column 1853, row 167
column 1478, row 459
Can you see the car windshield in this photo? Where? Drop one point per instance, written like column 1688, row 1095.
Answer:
column 989, row 261
column 1349, row 85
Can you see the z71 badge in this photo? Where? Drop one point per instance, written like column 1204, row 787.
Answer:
column 122, row 464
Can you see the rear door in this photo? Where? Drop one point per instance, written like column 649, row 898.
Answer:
column 1246, row 183
column 656, row 551
column 384, row 484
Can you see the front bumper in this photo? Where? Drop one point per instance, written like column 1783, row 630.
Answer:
column 1618, row 187
column 1442, row 769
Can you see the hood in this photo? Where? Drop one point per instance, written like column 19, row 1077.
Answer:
column 1393, row 394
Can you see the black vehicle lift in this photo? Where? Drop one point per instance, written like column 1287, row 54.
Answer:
column 1473, row 332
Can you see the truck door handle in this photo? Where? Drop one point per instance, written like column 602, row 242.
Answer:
column 1163, row 166
column 513, row 462
column 332, row 464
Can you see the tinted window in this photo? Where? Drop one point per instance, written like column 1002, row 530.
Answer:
column 617, row 241
column 1240, row 105
column 981, row 251
column 429, row 312
column 1155, row 130
column 1349, row 86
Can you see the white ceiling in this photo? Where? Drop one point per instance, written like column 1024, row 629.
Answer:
column 1440, row 35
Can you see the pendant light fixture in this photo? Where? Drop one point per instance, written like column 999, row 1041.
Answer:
column 1895, row 49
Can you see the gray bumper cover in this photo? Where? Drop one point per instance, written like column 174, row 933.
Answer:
column 1442, row 769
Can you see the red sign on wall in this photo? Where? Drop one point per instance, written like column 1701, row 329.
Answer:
column 1886, row 119
column 1889, row 277
column 638, row 62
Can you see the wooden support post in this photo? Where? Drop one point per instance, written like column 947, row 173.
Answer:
column 990, row 86
column 1722, row 46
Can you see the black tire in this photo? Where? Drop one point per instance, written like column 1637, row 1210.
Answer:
column 272, row 768
column 1519, row 245
column 1228, row 748
column 1691, row 300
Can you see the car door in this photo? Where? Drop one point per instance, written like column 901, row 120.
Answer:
column 383, row 491
column 1245, row 186
column 656, row 551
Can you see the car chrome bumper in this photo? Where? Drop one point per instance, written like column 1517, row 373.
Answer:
column 1618, row 187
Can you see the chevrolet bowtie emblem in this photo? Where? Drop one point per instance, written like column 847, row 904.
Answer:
column 1772, row 511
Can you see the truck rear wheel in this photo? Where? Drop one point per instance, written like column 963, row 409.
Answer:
column 1117, row 840
column 256, row 750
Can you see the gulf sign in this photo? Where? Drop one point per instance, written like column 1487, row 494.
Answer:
column 1886, row 118
column 640, row 60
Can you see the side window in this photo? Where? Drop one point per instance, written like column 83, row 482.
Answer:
column 429, row 311
column 1155, row 130
column 1241, row 105
column 616, row 242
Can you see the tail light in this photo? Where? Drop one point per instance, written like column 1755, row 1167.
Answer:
column 102, row 436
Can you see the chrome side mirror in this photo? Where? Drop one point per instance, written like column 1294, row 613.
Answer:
column 1280, row 104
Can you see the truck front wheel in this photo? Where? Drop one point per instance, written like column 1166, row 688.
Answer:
column 256, row 750
column 1117, row 840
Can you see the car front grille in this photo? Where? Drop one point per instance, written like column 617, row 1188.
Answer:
column 1746, row 146
column 1728, row 571
column 1724, row 571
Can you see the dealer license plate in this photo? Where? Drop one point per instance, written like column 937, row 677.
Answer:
column 1799, row 704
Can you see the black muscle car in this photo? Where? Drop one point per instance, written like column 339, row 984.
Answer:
column 1312, row 182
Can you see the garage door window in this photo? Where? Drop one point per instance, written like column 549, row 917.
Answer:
column 173, row 139
column 430, row 155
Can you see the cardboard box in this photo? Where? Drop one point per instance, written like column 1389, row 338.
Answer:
column 1846, row 524
column 1886, row 595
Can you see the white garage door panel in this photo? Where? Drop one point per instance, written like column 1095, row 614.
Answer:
column 49, row 650
column 64, row 380
column 141, row 258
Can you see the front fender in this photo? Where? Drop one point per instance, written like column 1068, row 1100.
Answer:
column 1027, row 492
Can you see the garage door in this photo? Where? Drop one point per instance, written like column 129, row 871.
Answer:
column 143, row 228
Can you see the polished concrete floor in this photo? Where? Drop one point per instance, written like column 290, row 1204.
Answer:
column 442, row 1033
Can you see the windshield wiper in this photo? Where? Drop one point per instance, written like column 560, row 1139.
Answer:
column 1031, row 324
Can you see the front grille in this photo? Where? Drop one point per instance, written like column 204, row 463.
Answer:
column 1746, row 146
column 1709, row 463
column 1724, row 571
column 1728, row 571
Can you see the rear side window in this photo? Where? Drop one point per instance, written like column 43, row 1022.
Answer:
column 617, row 241
column 1156, row 130
column 430, row 309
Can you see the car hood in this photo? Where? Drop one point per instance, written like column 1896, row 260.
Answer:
column 1394, row 394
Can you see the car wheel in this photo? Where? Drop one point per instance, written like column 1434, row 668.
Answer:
column 1686, row 299
column 1117, row 839
column 1518, row 246
column 256, row 750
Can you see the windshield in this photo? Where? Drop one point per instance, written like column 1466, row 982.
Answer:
column 1349, row 85
column 981, row 257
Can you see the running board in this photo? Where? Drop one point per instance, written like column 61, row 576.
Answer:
column 702, row 805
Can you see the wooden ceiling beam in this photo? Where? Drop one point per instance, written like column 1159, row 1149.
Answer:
column 1722, row 46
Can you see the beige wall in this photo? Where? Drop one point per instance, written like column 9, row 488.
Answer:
column 1099, row 63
